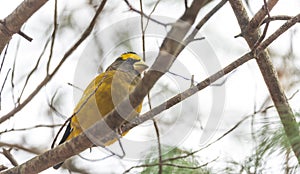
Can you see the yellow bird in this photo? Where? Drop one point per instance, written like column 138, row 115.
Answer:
column 105, row 92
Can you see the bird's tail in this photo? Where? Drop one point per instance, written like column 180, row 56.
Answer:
column 64, row 138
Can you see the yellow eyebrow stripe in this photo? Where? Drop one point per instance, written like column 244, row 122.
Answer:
column 130, row 55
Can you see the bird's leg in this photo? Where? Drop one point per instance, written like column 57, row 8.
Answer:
column 119, row 135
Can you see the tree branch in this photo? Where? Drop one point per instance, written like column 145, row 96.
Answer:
column 187, row 93
column 269, row 74
column 17, row 146
column 258, row 18
column 84, row 35
column 13, row 22
column 99, row 133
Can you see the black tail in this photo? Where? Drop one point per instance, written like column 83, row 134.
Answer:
column 64, row 138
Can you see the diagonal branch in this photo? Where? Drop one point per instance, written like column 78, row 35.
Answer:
column 84, row 35
column 168, row 52
column 208, row 81
column 187, row 93
column 13, row 22
column 258, row 18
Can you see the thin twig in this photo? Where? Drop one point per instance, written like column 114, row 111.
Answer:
column 51, row 106
column 76, row 87
column 153, row 9
column 192, row 80
column 176, row 99
column 25, row 36
column 120, row 144
column 261, row 38
column 222, row 136
column 187, row 93
column 13, row 72
column 211, row 143
column 160, row 164
column 160, row 169
column 3, row 86
column 287, row 25
column 29, row 128
column 55, row 110
column 4, row 56
column 146, row 16
column 53, row 36
column 10, row 157
column 17, row 146
column 200, row 24
column 33, row 70
column 168, row 164
column 267, row 69
column 84, row 35
column 277, row 18
column 143, row 30
column 257, row 19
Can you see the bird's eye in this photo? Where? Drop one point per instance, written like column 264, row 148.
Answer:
column 131, row 61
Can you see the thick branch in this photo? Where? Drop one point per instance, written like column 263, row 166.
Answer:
column 98, row 133
column 269, row 74
column 13, row 22
column 79, row 143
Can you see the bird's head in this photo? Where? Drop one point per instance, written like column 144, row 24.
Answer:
column 127, row 62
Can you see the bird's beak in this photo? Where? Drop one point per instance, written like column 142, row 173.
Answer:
column 140, row 66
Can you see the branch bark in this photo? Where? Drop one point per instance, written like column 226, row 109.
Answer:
column 189, row 92
column 99, row 133
column 13, row 22
column 104, row 130
column 269, row 74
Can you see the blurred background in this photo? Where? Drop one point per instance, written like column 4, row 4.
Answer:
column 237, row 107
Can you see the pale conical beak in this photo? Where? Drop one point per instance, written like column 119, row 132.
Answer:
column 140, row 66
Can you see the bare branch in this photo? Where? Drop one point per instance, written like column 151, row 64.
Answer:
column 2, row 167
column 9, row 156
column 168, row 52
column 287, row 25
column 25, row 36
column 53, row 35
column 30, row 128
column 160, row 164
column 146, row 16
column 267, row 69
column 167, row 164
column 17, row 146
column 33, row 70
column 4, row 56
column 255, row 22
column 262, row 37
column 13, row 22
column 3, row 86
column 200, row 24
column 277, row 18
column 187, row 93
column 84, row 35
column 181, row 96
